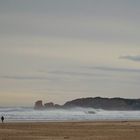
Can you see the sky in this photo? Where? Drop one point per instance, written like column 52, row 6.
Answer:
column 59, row 50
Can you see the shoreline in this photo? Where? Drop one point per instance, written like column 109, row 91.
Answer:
column 69, row 122
column 61, row 121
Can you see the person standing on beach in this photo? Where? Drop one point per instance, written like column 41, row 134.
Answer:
column 2, row 119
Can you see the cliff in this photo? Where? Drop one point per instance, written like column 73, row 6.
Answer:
column 105, row 103
column 99, row 103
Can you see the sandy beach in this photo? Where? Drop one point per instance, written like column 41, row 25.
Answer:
column 124, row 130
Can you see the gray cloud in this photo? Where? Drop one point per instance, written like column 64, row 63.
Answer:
column 90, row 20
column 115, row 69
column 131, row 57
column 76, row 73
column 24, row 77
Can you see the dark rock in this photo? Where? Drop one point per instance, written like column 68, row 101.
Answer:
column 97, row 103
column 38, row 105
column 57, row 106
column 105, row 103
column 49, row 105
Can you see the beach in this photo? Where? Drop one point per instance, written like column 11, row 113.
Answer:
column 97, row 130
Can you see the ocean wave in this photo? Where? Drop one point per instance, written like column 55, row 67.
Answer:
column 75, row 114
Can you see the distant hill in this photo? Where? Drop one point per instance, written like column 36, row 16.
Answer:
column 97, row 103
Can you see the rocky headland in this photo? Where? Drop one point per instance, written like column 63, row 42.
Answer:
column 97, row 103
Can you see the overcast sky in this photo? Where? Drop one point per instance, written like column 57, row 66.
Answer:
column 59, row 50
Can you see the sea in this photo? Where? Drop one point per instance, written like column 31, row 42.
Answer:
column 28, row 114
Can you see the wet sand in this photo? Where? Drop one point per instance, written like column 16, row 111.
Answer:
column 124, row 130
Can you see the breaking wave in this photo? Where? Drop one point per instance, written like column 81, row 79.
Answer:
column 21, row 114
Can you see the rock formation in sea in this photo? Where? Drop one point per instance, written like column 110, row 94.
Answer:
column 97, row 103
column 38, row 105
column 49, row 105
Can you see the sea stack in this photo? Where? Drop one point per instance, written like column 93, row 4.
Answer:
column 38, row 105
column 49, row 105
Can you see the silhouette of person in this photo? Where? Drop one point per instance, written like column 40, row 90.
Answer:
column 2, row 119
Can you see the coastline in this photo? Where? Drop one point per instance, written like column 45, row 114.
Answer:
column 78, row 130
column 71, row 121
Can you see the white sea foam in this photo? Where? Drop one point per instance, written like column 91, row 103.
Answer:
column 75, row 114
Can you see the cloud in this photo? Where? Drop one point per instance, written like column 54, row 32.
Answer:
column 23, row 77
column 131, row 57
column 97, row 21
column 76, row 73
column 115, row 69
